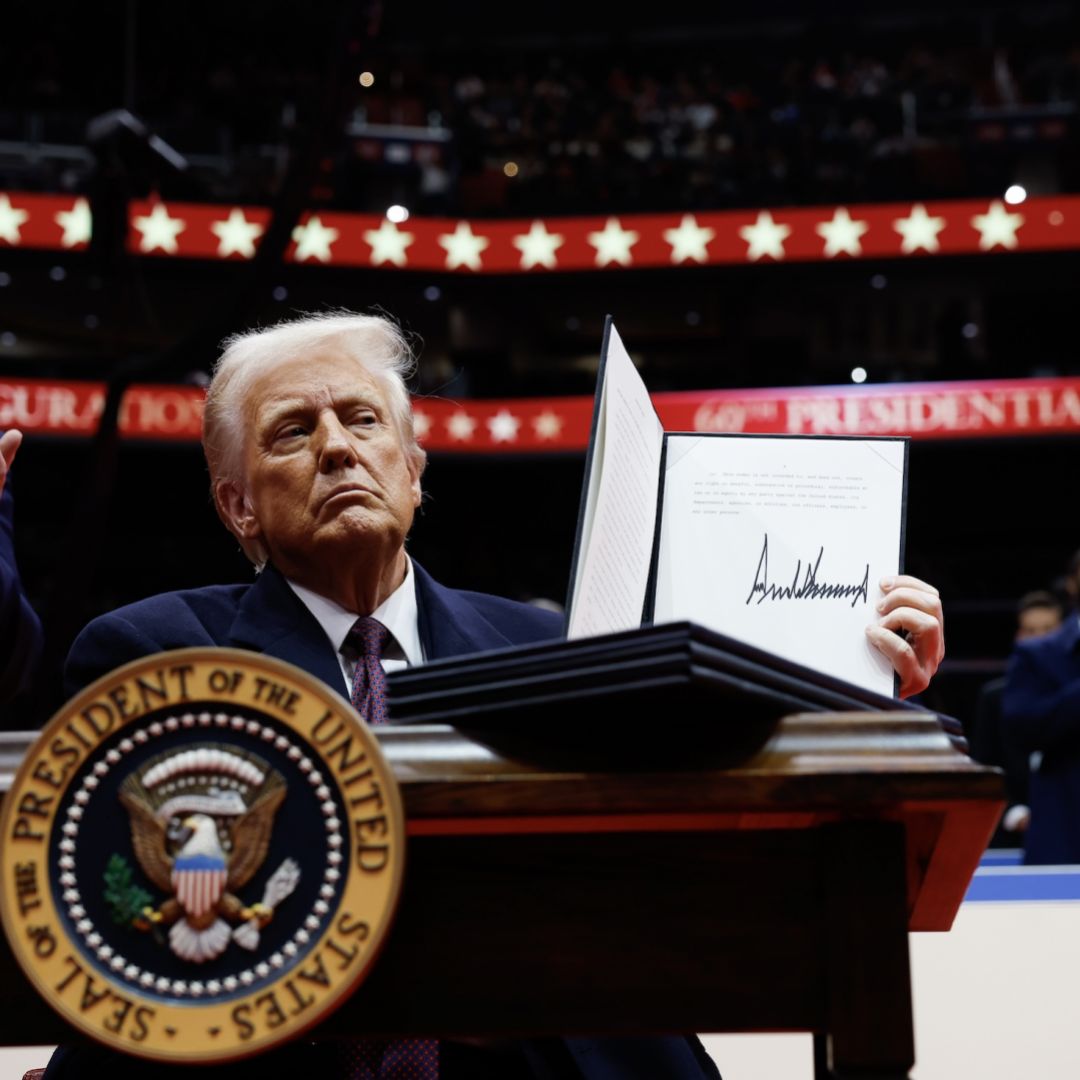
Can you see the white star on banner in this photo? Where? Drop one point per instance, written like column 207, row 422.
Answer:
column 613, row 243
column 11, row 220
column 421, row 424
column 547, row 425
column 689, row 240
column 919, row 230
column 236, row 235
column 997, row 226
column 76, row 224
column 313, row 240
column 503, row 426
column 159, row 230
column 842, row 233
column 538, row 246
column 765, row 237
column 461, row 426
column 388, row 243
column 463, row 247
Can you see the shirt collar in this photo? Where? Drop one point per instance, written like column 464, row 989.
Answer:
column 398, row 613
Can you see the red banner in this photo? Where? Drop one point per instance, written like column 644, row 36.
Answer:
column 74, row 408
column 613, row 242
column 539, row 425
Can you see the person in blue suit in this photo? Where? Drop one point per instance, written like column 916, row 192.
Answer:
column 1041, row 712
column 20, row 629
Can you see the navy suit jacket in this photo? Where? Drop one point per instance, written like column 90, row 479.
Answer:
column 20, row 630
column 1041, row 711
column 268, row 617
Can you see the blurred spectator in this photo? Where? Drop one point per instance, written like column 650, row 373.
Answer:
column 1037, row 614
column 615, row 125
column 1041, row 719
column 20, row 630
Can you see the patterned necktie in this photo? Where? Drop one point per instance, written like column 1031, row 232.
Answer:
column 369, row 637
column 381, row 1059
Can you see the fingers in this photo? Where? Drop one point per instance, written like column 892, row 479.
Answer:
column 910, row 632
column 10, row 442
column 908, row 597
column 906, row 581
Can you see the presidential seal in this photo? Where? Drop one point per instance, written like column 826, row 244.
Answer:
column 202, row 854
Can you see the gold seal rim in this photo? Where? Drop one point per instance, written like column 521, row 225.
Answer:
column 251, row 663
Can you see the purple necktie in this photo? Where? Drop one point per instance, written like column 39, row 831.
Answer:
column 369, row 637
column 380, row 1059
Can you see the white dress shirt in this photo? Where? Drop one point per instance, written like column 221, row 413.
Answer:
column 398, row 613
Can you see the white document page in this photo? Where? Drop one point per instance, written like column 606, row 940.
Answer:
column 781, row 542
column 620, row 507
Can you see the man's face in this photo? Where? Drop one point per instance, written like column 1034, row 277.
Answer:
column 326, row 474
column 1036, row 621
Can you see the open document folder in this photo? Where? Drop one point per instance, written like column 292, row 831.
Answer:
column 778, row 541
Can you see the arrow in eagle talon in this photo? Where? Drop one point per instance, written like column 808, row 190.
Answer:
column 281, row 885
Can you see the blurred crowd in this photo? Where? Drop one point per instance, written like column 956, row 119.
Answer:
column 661, row 125
column 697, row 129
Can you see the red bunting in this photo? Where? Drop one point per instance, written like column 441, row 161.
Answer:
column 541, row 425
column 614, row 242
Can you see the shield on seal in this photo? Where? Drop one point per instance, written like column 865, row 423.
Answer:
column 199, row 881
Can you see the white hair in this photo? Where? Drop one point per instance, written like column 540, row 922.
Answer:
column 378, row 346
column 376, row 343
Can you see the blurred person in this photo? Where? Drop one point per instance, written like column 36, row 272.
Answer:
column 1037, row 613
column 1041, row 719
column 20, row 629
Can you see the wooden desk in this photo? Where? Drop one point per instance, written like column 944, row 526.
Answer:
column 774, row 894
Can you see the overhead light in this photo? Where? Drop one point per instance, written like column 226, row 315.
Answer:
column 858, row 375
column 397, row 214
column 510, row 169
column 1015, row 194
column 366, row 78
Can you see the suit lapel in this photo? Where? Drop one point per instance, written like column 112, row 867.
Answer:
column 272, row 619
column 449, row 624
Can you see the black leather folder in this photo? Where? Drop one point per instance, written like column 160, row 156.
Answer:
column 678, row 677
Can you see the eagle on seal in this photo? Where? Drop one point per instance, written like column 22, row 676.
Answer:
column 198, row 840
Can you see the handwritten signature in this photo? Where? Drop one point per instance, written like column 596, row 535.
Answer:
column 810, row 588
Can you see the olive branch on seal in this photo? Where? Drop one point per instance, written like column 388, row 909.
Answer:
column 126, row 900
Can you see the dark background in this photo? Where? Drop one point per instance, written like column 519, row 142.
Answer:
column 263, row 104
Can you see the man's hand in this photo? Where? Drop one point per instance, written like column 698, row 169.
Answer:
column 911, row 631
column 10, row 442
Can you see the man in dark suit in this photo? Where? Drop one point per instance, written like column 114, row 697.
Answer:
column 20, row 630
column 1037, row 613
column 1041, row 712
column 315, row 469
